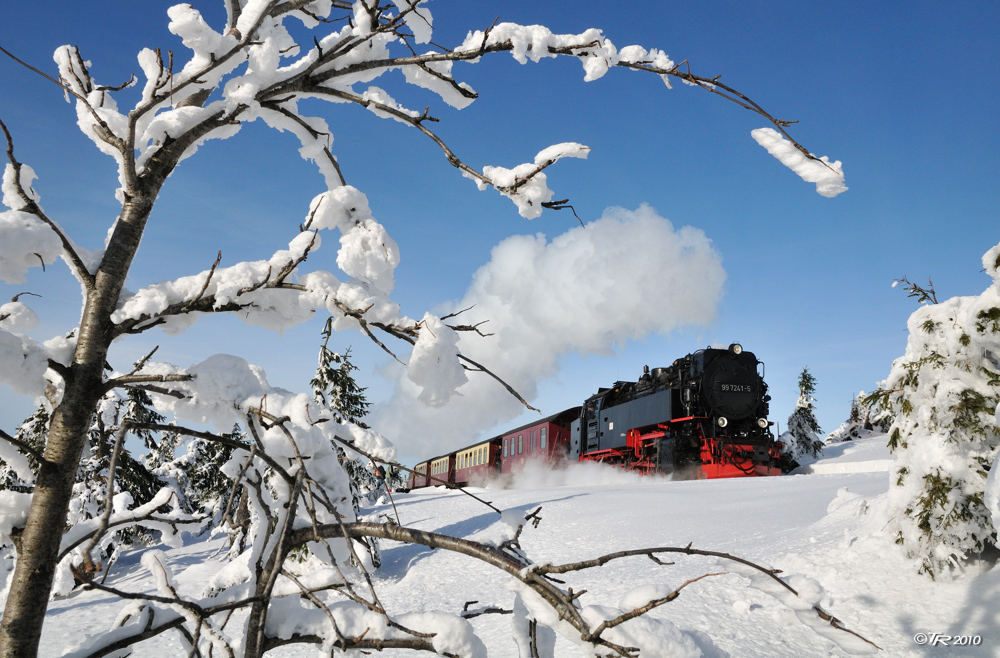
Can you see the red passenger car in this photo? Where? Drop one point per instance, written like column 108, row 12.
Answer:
column 442, row 471
column 545, row 440
column 418, row 478
column 477, row 463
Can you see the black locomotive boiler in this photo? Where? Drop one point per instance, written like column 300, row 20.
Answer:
column 704, row 416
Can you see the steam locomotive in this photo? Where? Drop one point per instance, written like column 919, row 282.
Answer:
column 704, row 416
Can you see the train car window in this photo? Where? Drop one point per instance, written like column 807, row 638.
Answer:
column 531, row 441
column 520, row 443
column 542, row 438
column 505, row 447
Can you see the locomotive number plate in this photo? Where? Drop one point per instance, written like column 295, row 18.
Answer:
column 736, row 388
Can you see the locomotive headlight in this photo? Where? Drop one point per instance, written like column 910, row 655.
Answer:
column 762, row 423
column 722, row 421
column 736, row 349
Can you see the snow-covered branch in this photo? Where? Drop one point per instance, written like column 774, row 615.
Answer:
column 21, row 199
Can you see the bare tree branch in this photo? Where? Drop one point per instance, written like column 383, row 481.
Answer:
column 655, row 603
column 131, row 380
column 510, row 389
column 450, row 485
column 208, row 436
column 22, row 446
column 651, row 553
column 131, row 521
column 88, row 564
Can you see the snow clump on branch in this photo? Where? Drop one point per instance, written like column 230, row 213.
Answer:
column 829, row 177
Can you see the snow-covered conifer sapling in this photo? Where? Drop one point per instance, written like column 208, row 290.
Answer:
column 943, row 395
column 801, row 440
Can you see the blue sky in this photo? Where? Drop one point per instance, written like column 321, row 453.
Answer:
column 905, row 95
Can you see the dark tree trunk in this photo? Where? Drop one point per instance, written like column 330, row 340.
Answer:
column 28, row 600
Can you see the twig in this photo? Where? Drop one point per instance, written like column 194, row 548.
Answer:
column 208, row 279
column 22, row 446
column 655, row 603
column 510, row 389
column 450, row 485
column 88, row 563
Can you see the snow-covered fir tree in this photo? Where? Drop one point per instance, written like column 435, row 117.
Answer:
column 90, row 494
column 943, row 393
column 859, row 421
column 90, row 489
column 880, row 412
column 335, row 389
column 15, row 469
column 801, row 440
column 197, row 473
column 334, row 386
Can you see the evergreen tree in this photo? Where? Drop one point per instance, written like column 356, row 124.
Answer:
column 334, row 386
column 32, row 432
column 801, row 439
column 131, row 475
column 90, row 493
column 335, row 389
column 197, row 474
column 858, row 422
column 943, row 394
column 880, row 412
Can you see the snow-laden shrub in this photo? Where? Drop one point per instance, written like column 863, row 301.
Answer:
column 943, row 393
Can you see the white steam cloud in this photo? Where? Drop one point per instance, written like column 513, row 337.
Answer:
column 624, row 276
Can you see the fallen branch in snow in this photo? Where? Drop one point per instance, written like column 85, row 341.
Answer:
column 687, row 550
column 655, row 603
column 535, row 576
column 488, row 610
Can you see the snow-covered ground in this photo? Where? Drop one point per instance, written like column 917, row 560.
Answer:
column 866, row 455
column 826, row 525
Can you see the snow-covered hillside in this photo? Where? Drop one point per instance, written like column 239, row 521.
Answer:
column 825, row 525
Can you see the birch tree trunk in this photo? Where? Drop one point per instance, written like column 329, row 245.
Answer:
column 24, row 613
